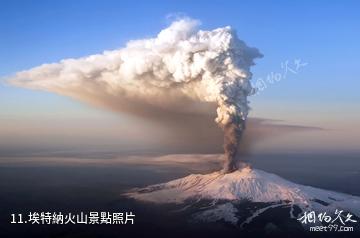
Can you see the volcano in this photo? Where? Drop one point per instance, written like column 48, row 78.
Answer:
column 221, row 197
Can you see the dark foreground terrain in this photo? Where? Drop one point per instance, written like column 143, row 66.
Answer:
column 75, row 189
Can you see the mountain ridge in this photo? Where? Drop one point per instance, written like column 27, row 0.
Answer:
column 226, row 190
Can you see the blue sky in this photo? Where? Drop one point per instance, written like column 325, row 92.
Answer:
column 324, row 34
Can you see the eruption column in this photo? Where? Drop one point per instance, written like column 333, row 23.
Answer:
column 170, row 73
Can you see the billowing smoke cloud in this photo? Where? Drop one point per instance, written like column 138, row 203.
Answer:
column 175, row 72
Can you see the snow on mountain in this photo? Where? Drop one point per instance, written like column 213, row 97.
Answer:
column 246, row 184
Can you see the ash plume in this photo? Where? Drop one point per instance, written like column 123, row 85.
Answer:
column 232, row 135
column 177, row 72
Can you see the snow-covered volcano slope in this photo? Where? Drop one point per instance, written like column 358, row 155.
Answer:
column 250, row 184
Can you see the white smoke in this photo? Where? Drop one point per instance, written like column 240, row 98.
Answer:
column 174, row 71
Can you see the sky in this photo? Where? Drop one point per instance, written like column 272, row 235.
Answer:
column 321, row 36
